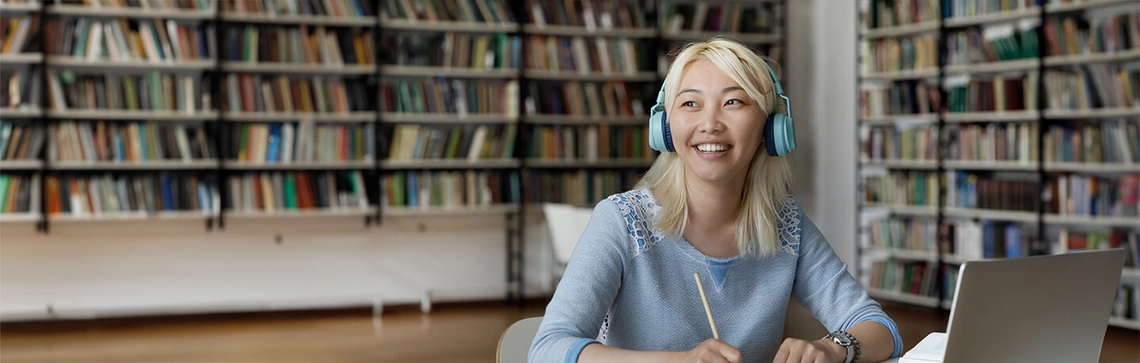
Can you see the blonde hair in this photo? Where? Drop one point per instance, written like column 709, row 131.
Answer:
column 767, row 183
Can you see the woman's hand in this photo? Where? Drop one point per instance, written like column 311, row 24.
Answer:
column 802, row 351
column 712, row 350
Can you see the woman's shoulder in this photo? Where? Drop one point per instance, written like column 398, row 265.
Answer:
column 639, row 201
column 790, row 224
column 638, row 210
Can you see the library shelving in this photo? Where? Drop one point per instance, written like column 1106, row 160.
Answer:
column 1010, row 128
column 228, row 110
column 589, row 70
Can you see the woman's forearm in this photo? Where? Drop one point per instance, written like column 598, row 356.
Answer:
column 598, row 353
column 875, row 341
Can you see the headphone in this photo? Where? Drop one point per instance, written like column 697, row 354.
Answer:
column 779, row 133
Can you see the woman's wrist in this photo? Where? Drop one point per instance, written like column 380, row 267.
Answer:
column 835, row 352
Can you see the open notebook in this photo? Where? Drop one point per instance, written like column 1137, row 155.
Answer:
column 1031, row 309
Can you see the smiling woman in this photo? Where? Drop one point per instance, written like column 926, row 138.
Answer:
column 716, row 203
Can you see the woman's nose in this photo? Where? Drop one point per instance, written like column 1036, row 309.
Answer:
column 710, row 121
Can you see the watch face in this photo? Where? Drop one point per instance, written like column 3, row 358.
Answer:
column 841, row 339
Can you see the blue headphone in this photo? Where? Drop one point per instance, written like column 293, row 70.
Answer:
column 779, row 133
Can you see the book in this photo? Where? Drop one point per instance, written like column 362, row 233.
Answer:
column 930, row 349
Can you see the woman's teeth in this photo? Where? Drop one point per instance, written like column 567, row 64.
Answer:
column 712, row 148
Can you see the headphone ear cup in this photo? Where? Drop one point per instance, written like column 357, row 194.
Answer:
column 769, row 135
column 779, row 135
column 660, row 137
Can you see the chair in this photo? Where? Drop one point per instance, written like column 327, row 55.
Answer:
column 515, row 341
column 566, row 223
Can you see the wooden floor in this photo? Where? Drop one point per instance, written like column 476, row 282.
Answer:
column 456, row 333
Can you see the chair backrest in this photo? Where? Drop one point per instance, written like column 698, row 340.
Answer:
column 515, row 341
column 566, row 223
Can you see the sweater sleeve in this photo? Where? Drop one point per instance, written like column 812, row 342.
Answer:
column 587, row 289
column 826, row 289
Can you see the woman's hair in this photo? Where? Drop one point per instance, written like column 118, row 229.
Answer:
column 766, row 185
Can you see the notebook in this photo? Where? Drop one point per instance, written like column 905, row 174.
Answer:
column 1031, row 309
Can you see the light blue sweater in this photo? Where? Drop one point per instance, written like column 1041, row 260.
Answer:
column 629, row 286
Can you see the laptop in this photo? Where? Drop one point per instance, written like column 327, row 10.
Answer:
column 1032, row 309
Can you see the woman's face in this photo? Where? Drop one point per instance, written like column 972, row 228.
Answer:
column 716, row 126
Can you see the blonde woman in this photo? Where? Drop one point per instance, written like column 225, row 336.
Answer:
column 715, row 202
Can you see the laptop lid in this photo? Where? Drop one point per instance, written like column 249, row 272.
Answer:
column 1033, row 309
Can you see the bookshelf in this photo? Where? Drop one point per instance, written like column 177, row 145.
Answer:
column 242, row 110
column 589, row 67
column 1015, row 134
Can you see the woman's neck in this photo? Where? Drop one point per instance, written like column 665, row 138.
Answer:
column 711, row 226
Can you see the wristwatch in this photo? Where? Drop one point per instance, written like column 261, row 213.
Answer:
column 847, row 341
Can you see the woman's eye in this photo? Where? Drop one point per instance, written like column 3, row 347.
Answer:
column 733, row 102
column 689, row 104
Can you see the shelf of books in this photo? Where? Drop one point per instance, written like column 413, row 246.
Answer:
column 128, row 115
column 760, row 24
column 296, row 88
column 449, row 108
column 22, row 135
column 1033, row 110
column 898, row 151
column 1091, row 152
column 588, row 70
column 20, row 197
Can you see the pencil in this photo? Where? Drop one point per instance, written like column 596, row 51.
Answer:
column 705, row 300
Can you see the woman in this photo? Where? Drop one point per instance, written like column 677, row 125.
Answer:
column 718, row 206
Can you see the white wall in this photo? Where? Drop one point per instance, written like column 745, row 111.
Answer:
column 821, row 85
column 85, row 269
column 125, row 268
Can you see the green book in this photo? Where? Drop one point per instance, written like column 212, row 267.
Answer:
column 156, row 92
column 452, row 143
column 399, row 189
column 3, row 192
column 243, row 143
column 290, row 192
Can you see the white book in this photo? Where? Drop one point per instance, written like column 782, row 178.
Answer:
column 699, row 16
column 319, row 89
column 110, row 196
column 604, row 61
column 86, row 141
column 164, row 40
column 361, row 190
column 21, row 35
column 95, row 41
column 233, row 93
column 581, row 56
column 188, row 94
column 147, row 35
column 592, row 143
column 183, row 143
column 94, row 195
column 310, row 143
column 537, row 15
column 123, row 193
column 114, row 51
column 931, row 349
column 286, row 154
column 1125, row 152
column 248, row 190
column 476, row 150
column 324, row 46
column 629, row 56
column 124, row 45
column 460, row 97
